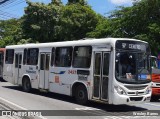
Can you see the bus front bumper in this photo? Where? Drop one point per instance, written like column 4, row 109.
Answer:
column 127, row 99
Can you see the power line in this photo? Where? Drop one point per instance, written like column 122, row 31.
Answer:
column 12, row 5
column 8, row 4
column 3, row 1
column 3, row 18
column 7, row 15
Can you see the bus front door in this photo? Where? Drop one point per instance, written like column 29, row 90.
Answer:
column 18, row 63
column 101, row 71
column 44, row 70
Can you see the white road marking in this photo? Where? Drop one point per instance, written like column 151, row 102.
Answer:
column 86, row 108
column 20, row 107
column 153, row 104
column 93, row 110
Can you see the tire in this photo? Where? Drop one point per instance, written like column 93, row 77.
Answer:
column 154, row 98
column 26, row 85
column 81, row 95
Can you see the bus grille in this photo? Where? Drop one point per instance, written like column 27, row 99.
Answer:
column 157, row 84
column 136, row 87
column 136, row 98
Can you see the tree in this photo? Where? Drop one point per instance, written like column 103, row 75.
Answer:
column 103, row 28
column 10, row 32
column 56, row 2
column 40, row 21
column 82, row 2
column 76, row 21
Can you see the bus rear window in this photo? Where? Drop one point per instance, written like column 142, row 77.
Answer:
column 82, row 56
column 9, row 56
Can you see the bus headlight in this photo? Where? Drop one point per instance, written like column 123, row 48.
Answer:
column 148, row 90
column 153, row 84
column 120, row 90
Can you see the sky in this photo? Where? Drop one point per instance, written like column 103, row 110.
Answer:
column 15, row 8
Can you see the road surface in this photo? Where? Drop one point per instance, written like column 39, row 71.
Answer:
column 64, row 107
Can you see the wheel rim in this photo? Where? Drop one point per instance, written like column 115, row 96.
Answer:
column 81, row 94
column 27, row 85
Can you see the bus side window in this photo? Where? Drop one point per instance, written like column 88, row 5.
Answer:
column 25, row 57
column 82, row 56
column 63, row 56
column 9, row 56
column 32, row 56
column 53, row 56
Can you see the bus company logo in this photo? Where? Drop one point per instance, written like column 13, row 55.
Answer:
column 30, row 68
column 6, row 113
column 124, row 45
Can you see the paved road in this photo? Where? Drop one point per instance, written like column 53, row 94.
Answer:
column 67, row 106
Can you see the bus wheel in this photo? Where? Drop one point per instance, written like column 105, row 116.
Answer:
column 81, row 94
column 26, row 85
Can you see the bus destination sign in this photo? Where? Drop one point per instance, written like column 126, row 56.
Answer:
column 131, row 45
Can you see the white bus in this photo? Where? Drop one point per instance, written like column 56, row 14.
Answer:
column 93, row 69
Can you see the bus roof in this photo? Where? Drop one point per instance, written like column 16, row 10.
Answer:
column 110, row 41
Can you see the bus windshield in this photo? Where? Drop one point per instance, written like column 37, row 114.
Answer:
column 132, row 67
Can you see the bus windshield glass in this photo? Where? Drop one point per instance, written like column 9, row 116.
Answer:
column 132, row 66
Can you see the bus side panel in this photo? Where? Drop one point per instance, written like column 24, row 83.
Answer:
column 111, row 78
column 8, row 73
column 60, row 81
column 32, row 72
column 58, row 88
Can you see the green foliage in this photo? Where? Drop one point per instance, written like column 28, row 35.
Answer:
column 82, row 2
column 56, row 2
column 25, row 41
column 55, row 22
column 103, row 28
column 76, row 21
column 41, row 21
column 10, row 32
